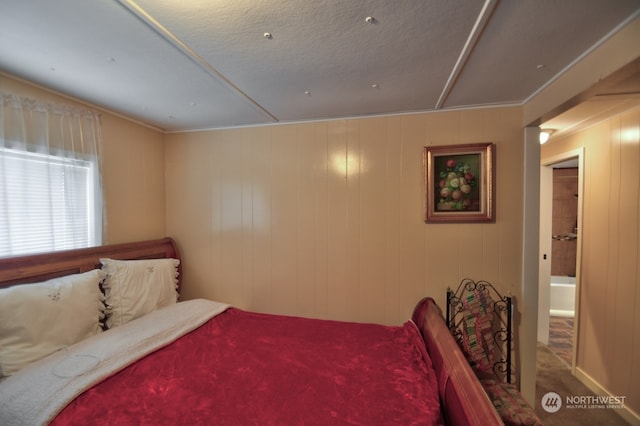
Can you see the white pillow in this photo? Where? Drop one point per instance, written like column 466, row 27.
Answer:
column 134, row 288
column 41, row 318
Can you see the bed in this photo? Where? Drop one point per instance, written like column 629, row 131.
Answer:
column 204, row 362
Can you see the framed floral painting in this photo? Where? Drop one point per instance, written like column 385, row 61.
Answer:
column 460, row 183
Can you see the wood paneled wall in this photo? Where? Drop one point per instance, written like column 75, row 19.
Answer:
column 325, row 219
column 609, row 292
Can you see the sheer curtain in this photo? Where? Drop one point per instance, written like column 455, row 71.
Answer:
column 50, row 185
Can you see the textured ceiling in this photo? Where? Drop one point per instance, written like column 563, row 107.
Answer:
column 192, row 65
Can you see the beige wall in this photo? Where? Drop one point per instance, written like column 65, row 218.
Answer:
column 609, row 299
column 133, row 171
column 272, row 222
column 133, row 180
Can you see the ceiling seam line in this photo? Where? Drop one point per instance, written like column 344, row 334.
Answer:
column 150, row 21
column 474, row 35
column 584, row 55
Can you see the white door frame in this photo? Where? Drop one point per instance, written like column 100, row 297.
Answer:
column 528, row 305
column 545, row 218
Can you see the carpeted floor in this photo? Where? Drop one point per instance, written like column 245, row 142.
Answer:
column 554, row 375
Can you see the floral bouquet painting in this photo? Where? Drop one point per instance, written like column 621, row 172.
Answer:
column 459, row 183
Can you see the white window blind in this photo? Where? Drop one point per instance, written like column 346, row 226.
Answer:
column 46, row 203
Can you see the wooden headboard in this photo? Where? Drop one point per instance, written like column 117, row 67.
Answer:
column 45, row 266
column 463, row 398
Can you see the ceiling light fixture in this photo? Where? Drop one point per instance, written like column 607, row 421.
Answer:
column 370, row 20
column 545, row 134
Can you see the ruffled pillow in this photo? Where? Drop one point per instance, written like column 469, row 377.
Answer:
column 134, row 288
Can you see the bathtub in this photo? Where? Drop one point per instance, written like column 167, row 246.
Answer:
column 562, row 296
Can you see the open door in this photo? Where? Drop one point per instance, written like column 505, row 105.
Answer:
column 544, row 275
column 545, row 290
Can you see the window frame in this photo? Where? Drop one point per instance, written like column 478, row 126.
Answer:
column 93, row 195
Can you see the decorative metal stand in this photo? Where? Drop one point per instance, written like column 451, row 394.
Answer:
column 499, row 309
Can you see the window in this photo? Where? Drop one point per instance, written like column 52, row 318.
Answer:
column 47, row 203
column 50, row 184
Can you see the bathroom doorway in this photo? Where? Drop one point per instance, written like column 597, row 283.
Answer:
column 560, row 214
column 564, row 245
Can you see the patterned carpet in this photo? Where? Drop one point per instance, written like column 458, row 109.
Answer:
column 561, row 337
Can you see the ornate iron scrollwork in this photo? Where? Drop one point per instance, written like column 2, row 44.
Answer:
column 501, row 321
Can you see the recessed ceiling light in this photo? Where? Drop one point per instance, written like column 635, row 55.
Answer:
column 370, row 20
column 540, row 66
column 268, row 36
column 375, row 86
column 307, row 92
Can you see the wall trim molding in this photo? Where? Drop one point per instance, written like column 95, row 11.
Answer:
column 627, row 413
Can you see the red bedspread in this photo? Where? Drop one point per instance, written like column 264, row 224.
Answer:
column 244, row 368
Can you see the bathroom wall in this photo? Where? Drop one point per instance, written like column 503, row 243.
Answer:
column 565, row 220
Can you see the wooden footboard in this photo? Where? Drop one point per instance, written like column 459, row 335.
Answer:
column 41, row 267
column 463, row 398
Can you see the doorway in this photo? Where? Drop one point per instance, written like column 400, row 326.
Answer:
column 561, row 180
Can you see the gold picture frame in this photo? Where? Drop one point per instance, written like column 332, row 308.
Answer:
column 459, row 181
